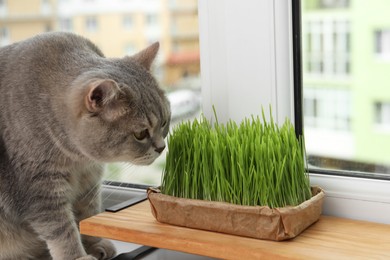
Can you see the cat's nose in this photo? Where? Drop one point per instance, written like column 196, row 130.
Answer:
column 160, row 149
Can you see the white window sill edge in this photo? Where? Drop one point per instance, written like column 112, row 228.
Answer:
column 355, row 198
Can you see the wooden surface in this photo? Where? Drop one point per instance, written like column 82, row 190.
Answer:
column 329, row 238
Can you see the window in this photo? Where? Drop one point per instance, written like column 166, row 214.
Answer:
column 45, row 7
column 327, row 108
column 248, row 55
column 327, row 113
column 48, row 27
column 338, row 109
column 66, row 24
column 151, row 20
column 327, row 4
column 153, row 26
column 4, row 33
column 382, row 115
column 327, row 48
column 128, row 21
column 4, row 36
column 243, row 59
column 3, row 7
column 91, row 24
column 333, row 3
column 382, row 43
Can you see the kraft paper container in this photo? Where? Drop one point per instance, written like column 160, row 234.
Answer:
column 250, row 221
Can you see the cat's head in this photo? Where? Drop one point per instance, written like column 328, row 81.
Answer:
column 119, row 111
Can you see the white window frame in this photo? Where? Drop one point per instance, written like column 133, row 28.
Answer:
column 246, row 60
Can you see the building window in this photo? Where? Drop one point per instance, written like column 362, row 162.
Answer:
column 91, row 24
column 327, row 108
column 45, row 7
column 3, row 7
column 4, row 36
column 128, row 22
column 333, row 3
column 382, row 115
column 66, row 24
column 48, row 27
column 152, row 20
column 327, row 47
column 382, row 43
column 45, row 2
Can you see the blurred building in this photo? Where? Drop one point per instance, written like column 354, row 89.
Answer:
column 183, row 58
column 118, row 27
column 346, row 63
column 20, row 19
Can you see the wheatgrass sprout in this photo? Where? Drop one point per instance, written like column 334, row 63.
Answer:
column 255, row 163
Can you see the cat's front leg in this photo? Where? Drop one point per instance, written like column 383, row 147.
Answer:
column 87, row 205
column 50, row 214
column 57, row 227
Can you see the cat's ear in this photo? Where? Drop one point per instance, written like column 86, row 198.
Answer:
column 147, row 56
column 103, row 98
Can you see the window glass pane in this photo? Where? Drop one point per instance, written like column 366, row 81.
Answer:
column 119, row 28
column 346, row 88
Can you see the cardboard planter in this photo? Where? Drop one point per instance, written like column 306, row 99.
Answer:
column 249, row 221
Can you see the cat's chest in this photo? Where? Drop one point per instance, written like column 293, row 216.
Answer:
column 84, row 179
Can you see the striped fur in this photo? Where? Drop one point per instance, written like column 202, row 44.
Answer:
column 65, row 110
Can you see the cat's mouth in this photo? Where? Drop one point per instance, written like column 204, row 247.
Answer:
column 146, row 159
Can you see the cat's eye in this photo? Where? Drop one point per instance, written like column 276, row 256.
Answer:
column 141, row 135
column 164, row 124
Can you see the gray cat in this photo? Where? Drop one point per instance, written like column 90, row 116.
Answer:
column 64, row 110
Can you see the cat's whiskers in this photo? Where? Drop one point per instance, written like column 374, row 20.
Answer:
column 126, row 172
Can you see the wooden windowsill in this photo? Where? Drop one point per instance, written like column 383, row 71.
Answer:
column 329, row 238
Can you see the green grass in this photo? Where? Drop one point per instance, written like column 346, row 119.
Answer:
column 252, row 163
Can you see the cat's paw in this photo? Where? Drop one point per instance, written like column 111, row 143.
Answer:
column 102, row 250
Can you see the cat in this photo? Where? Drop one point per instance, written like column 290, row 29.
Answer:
column 65, row 110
